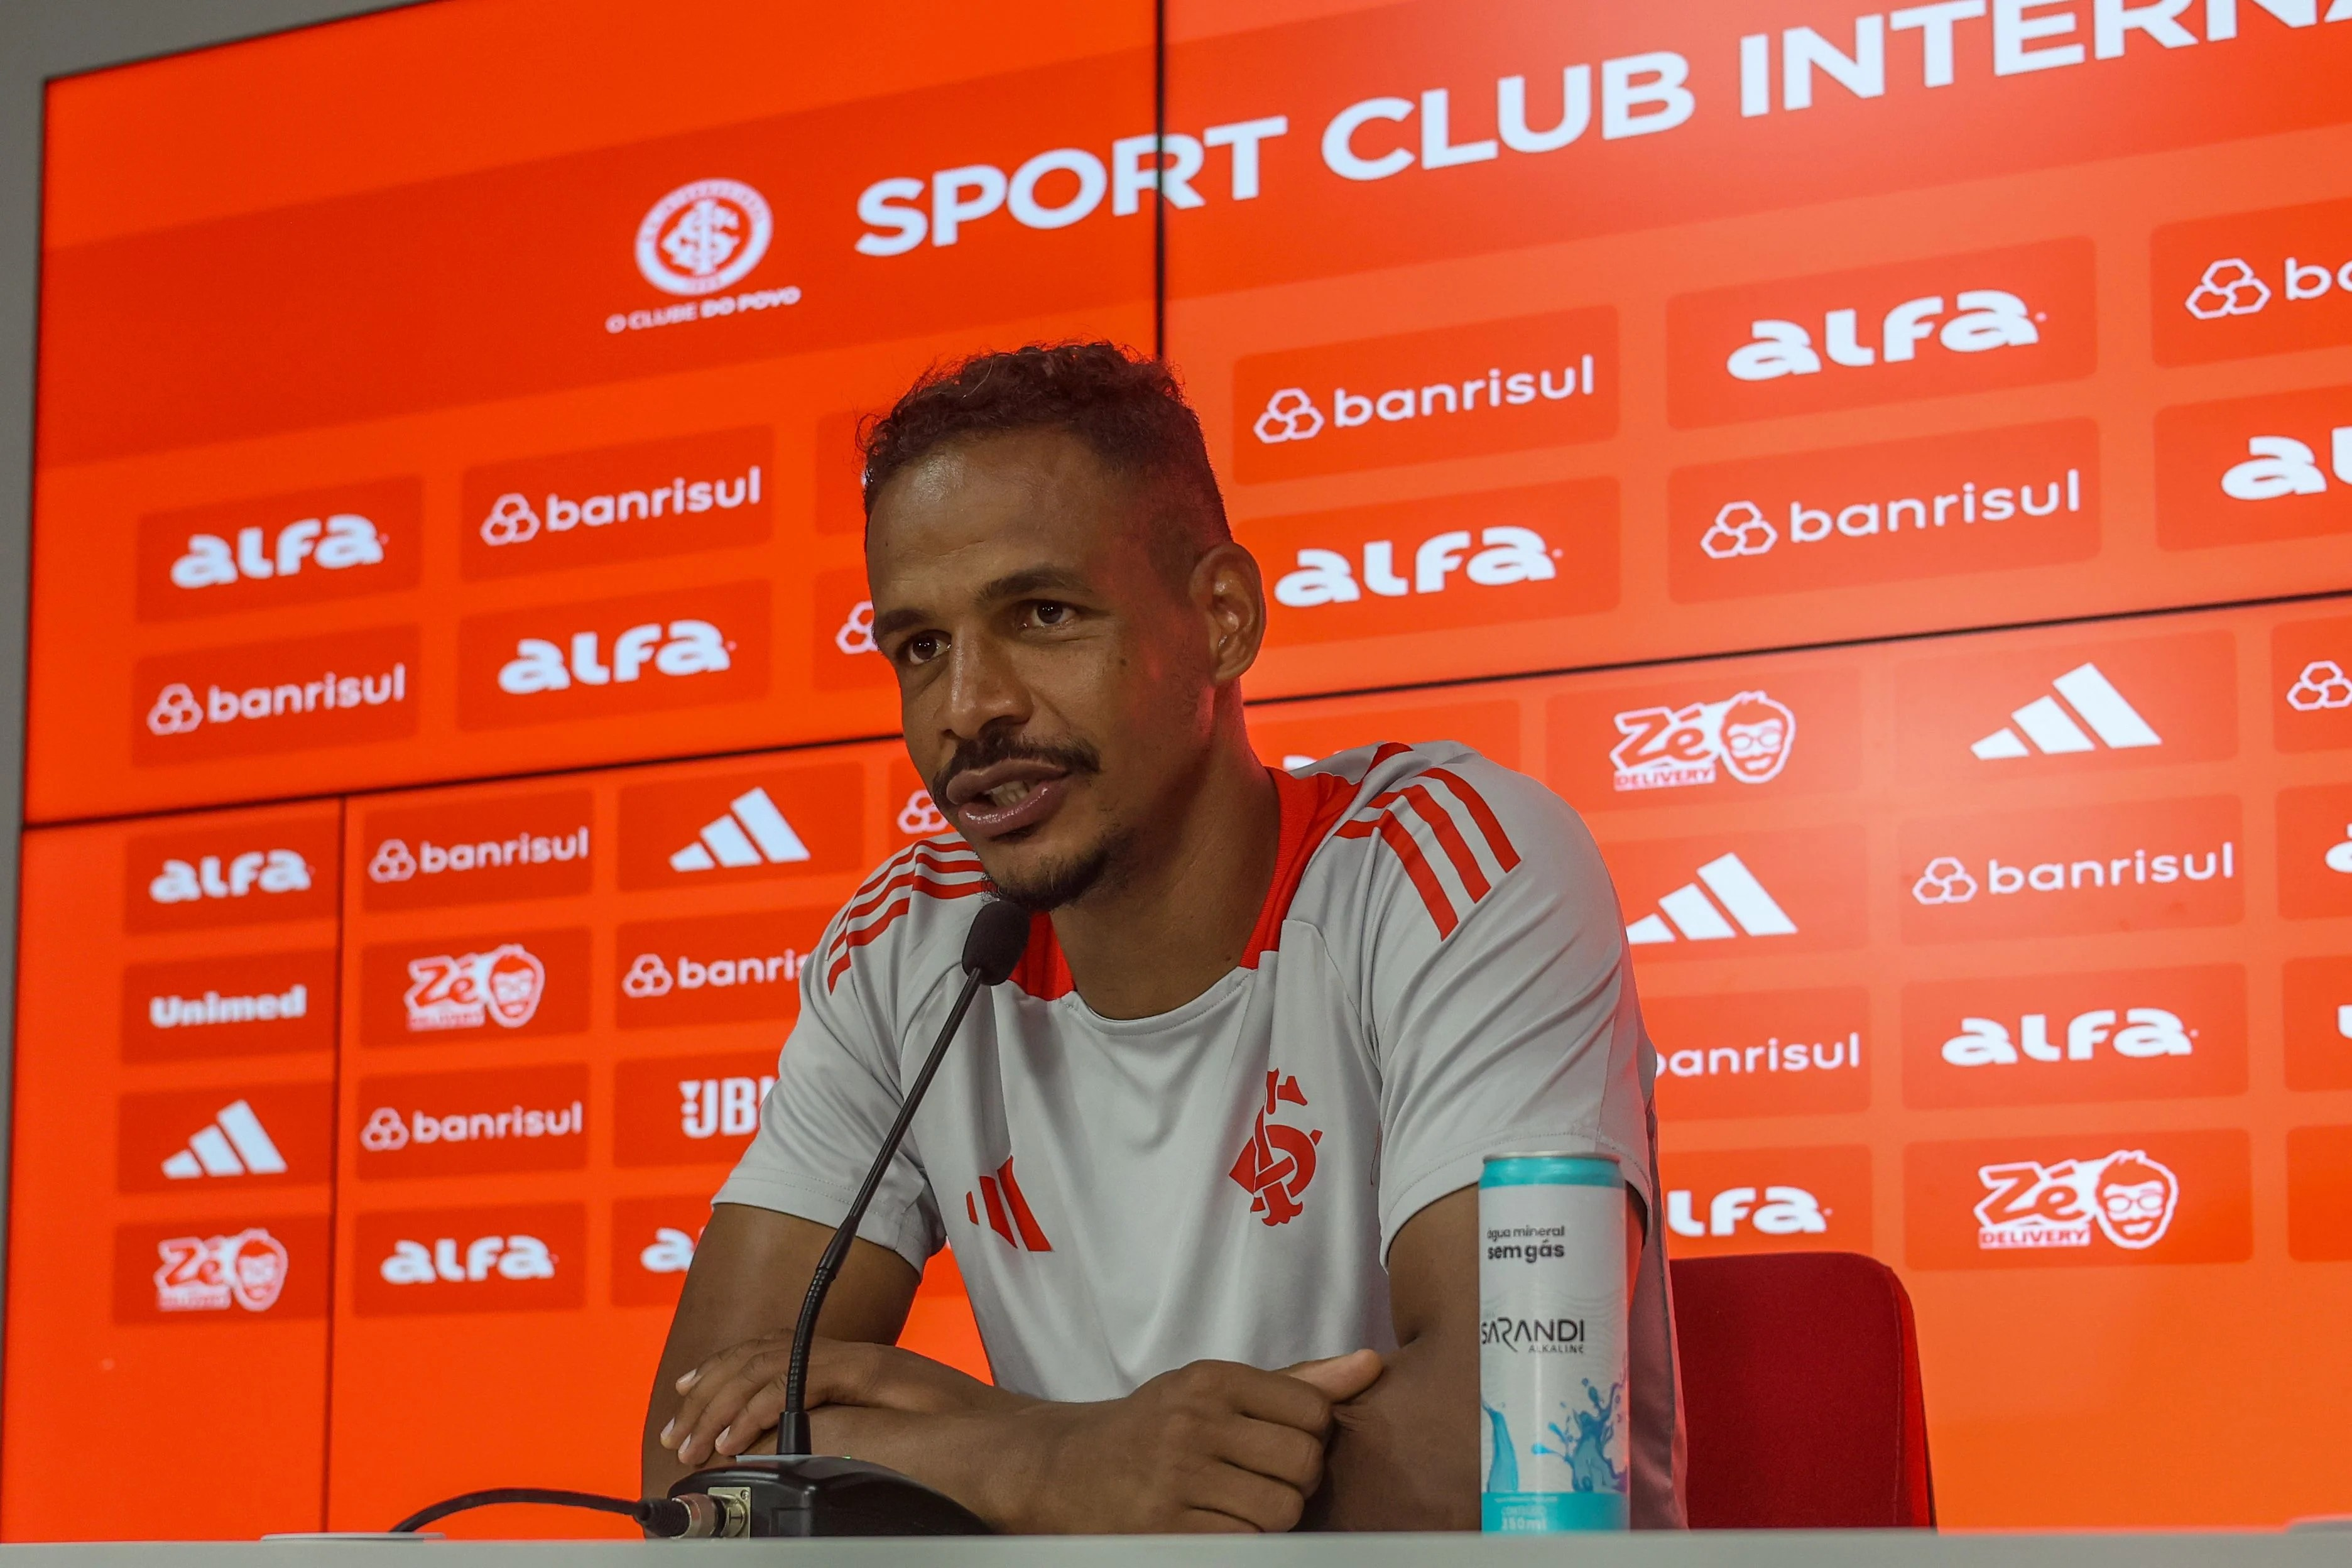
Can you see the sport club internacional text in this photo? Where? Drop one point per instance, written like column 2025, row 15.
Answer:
column 1651, row 92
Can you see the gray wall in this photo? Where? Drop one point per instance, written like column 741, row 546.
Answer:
column 40, row 39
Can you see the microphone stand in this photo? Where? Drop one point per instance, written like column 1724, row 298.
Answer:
column 793, row 1492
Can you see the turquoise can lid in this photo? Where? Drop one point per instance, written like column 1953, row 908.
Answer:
column 1551, row 1171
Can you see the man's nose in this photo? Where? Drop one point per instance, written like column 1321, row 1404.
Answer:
column 982, row 688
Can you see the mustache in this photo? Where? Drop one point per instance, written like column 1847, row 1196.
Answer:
column 992, row 747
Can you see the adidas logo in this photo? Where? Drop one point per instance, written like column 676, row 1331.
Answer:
column 2048, row 727
column 753, row 831
column 1701, row 919
column 235, row 1144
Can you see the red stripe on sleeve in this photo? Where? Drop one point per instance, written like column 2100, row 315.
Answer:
column 1489, row 825
column 1417, row 867
column 850, row 942
column 1450, row 839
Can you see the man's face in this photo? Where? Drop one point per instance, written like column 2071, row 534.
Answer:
column 2136, row 1210
column 1055, row 682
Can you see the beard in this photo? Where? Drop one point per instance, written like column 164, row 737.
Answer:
column 1065, row 880
column 1057, row 882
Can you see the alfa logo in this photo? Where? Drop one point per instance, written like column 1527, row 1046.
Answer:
column 2127, row 1196
column 2229, row 288
column 1290, row 416
column 671, row 1251
column 507, row 1256
column 691, row 648
column 1747, row 735
column 1983, row 321
column 1784, row 1211
column 1277, row 1163
column 501, row 986
column 213, row 1273
column 1511, row 555
column 272, row 871
column 336, row 544
column 2146, row 1031
column 703, row 236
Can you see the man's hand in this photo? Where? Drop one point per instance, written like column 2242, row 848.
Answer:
column 732, row 1398
column 1211, row 1446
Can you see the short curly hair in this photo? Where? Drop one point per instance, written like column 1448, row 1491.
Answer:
column 1127, row 407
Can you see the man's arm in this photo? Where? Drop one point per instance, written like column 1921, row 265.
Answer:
column 750, row 1271
column 1213, row 1445
column 1404, row 1454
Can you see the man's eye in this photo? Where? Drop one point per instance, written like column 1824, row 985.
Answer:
column 1046, row 612
column 922, row 648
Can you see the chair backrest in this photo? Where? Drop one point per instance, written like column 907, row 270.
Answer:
column 1801, row 1393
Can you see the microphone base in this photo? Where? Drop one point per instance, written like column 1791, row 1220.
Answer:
column 822, row 1495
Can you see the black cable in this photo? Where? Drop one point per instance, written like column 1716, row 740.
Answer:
column 664, row 1517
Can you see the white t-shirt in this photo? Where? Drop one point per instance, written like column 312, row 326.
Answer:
column 1439, row 973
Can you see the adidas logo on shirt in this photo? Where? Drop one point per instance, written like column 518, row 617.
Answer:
column 2048, row 727
column 234, row 1144
column 752, row 832
column 1698, row 917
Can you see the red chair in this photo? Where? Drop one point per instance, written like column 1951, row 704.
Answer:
column 1801, row 1393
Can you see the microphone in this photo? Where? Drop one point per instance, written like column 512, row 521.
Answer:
column 795, row 1493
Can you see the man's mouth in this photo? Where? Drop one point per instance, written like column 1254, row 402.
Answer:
column 1005, row 797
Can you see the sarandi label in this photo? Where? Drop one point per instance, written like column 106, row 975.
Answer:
column 632, row 502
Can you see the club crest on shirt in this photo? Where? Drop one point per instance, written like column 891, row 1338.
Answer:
column 1278, row 1162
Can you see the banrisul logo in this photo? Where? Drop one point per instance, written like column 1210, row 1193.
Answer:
column 703, row 236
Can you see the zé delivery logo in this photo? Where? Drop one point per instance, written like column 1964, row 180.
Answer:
column 1420, row 397
column 2095, row 1199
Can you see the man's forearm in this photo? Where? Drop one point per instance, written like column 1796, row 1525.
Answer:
column 983, row 1460
column 1404, row 1453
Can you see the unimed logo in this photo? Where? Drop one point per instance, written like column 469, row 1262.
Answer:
column 503, row 1259
column 1882, row 334
column 705, row 829
column 2253, row 283
column 716, row 969
column 2049, row 1039
column 1764, row 1053
column 629, row 502
column 237, row 871
column 336, row 543
column 1983, row 500
column 261, row 697
column 236, row 1004
column 1450, row 561
column 223, row 1268
column 1767, row 1200
column 2253, row 469
column 1419, row 397
column 689, row 1110
column 681, row 649
column 468, row 1123
column 2067, row 870
column 476, row 850
column 2095, row 1199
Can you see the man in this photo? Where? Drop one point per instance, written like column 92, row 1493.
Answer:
column 1209, row 1159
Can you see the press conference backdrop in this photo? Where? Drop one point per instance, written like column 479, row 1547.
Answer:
column 1891, row 470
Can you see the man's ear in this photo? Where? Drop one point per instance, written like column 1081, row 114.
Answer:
column 1230, row 598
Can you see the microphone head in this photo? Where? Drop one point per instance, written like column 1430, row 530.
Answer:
column 993, row 946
